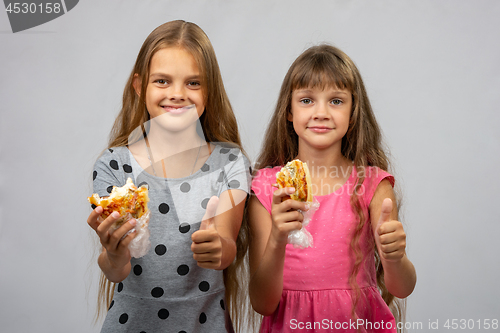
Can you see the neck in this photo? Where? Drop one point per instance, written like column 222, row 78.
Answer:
column 322, row 162
column 164, row 144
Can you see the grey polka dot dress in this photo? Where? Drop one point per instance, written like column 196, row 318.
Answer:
column 166, row 291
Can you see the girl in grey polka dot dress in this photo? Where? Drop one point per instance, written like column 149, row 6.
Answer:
column 176, row 134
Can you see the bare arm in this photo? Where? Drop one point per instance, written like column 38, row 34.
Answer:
column 399, row 273
column 269, row 234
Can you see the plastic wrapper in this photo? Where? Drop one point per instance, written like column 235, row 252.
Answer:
column 141, row 244
column 303, row 238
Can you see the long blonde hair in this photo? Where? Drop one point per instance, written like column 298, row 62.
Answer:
column 326, row 66
column 217, row 121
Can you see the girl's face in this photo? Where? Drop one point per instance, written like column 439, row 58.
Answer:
column 320, row 116
column 174, row 84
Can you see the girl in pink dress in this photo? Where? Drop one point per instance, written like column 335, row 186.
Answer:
column 349, row 279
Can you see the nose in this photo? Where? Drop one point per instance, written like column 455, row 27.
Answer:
column 321, row 111
column 177, row 92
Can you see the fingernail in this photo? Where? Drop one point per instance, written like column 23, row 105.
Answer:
column 115, row 215
column 291, row 190
column 133, row 222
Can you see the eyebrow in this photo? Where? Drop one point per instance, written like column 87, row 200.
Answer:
column 159, row 74
column 309, row 91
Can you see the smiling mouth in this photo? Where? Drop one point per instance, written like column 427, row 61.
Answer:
column 320, row 129
column 177, row 109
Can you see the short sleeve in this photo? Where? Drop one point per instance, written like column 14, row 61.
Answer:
column 107, row 172
column 235, row 174
column 262, row 186
column 373, row 177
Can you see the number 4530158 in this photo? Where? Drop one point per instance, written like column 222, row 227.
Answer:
column 470, row 324
column 32, row 8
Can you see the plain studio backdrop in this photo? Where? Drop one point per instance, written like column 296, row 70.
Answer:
column 432, row 72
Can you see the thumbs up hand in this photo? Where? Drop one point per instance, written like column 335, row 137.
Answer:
column 207, row 243
column 390, row 236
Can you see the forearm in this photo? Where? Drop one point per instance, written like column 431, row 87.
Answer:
column 266, row 283
column 112, row 273
column 399, row 277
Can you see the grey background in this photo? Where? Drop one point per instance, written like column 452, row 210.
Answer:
column 432, row 72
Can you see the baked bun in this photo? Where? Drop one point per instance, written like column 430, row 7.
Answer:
column 296, row 174
column 130, row 201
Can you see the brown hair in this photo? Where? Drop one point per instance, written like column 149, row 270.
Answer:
column 217, row 121
column 319, row 67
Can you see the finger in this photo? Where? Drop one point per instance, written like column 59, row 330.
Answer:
column 388, row 232
column 205, row 257
column 125, row 241
column 202, row 236
column 385, row 213
column 117, row 236
column 291, row 216
column 209, row 264
column 289, row 205
column 280, row 193
column 208, row 219
column 94, row 215
column 108, row 222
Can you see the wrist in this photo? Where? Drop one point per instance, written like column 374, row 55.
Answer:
column 112, row 267
column 277, row 241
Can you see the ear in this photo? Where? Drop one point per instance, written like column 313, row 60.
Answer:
column 137, row 84
column 289, row 116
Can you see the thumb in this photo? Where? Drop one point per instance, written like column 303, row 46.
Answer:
column 385, row 213
column 208, row 219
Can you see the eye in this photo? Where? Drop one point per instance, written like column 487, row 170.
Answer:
column 194, row 84
column 161, row 81
column 305, row 101
column 336, row 101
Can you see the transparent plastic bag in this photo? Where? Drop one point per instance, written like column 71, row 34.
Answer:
column 303, row 238
column 141, row 244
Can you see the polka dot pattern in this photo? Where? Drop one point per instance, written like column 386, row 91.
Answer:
column 163, row 314
column 183, row 270
column 176, row 209
column 123, row 318
column 203, row 318
column 184, row 228
column 185, row 187
column 221, row 177
column 164, row 208
column 157, row 292
column 160, row 249
column 233, row 184
column 127, row 168
column 204, row 203
column 204, row 286
column 113, row 164
column 137, row 270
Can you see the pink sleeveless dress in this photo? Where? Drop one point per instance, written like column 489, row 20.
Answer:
column 317, row 296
